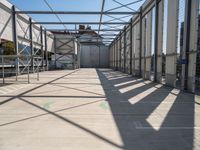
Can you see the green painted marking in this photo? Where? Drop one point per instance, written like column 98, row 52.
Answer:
column 104, row 105
column 47, row 105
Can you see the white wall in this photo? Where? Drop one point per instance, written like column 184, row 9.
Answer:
column 6, row 29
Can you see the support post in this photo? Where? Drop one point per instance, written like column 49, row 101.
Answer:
column 46, row 52
column 120, row 50
column 15, row 40
column 38, row 70
column 140, row 53
column 41, row 42
column 3, row 71
column 28, row 70
column 31, row 43
column 186, row 45
column 55, row 47
column 124, row 49
column 114, row 60
column 156, row 41
column 131, row 46
column 117, row 54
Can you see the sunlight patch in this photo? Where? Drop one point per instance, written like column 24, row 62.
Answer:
column 164, row 107
column 128, row 82
column 132, row 87
column 142, row 95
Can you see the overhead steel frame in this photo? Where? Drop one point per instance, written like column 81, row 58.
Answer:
column 80, row 12
column 115, row 20
column 107, row 37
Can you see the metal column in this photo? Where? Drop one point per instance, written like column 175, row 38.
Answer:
column 117, row 52
column 140, row 53
column 156, row 40
column 114, row 55
column 46, row 52
column 42, row 50
column 15, row 40
column 120, row 50
column 131, row 46
column 125, row 49
column 55, row 47
column 31, row 43
column 186, row 45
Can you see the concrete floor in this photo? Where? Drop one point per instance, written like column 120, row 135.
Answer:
column 98, row 110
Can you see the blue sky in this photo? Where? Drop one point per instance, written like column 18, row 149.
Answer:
column 72, row 5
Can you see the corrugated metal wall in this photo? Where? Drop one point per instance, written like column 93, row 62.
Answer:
column 94, row 56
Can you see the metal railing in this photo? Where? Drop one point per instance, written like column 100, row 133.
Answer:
column 21, row 64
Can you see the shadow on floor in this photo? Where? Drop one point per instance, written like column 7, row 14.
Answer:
column 149, row 116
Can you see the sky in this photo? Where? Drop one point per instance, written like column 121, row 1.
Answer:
column 74, row 5
column 88, row 5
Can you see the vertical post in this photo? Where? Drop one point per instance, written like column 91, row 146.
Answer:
column 38, row 71
column 99, row 56
column 186, row 45
column 131, row 46
column 42, row 50
column 125, row 49
column 55, row 47
column 15, row 39
column 140, row 53
column 46, row 52
column 114, row 60
column 31, row 43
column 3, row 71
column 156, row 40
column 120, row 50
column 117, row 54
column 28, row 75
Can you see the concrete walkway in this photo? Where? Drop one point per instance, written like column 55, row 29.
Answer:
column 98, row 109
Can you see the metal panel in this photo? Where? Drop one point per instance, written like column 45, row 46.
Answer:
column 95, row 56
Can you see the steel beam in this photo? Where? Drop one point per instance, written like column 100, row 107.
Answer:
column 120, row 50
column 73, row 30
column 124, row 49
column 101, row 15
column 79, row 12
column 83, row 23
column 186, row 45
column 140, row 53
column 15, row 39
column 131, row 46
column 31, row 43
column 55, row 51
column 42, row 50
column 114, row 55
column 156, row 40
column 46, row 52
column 124, row 6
